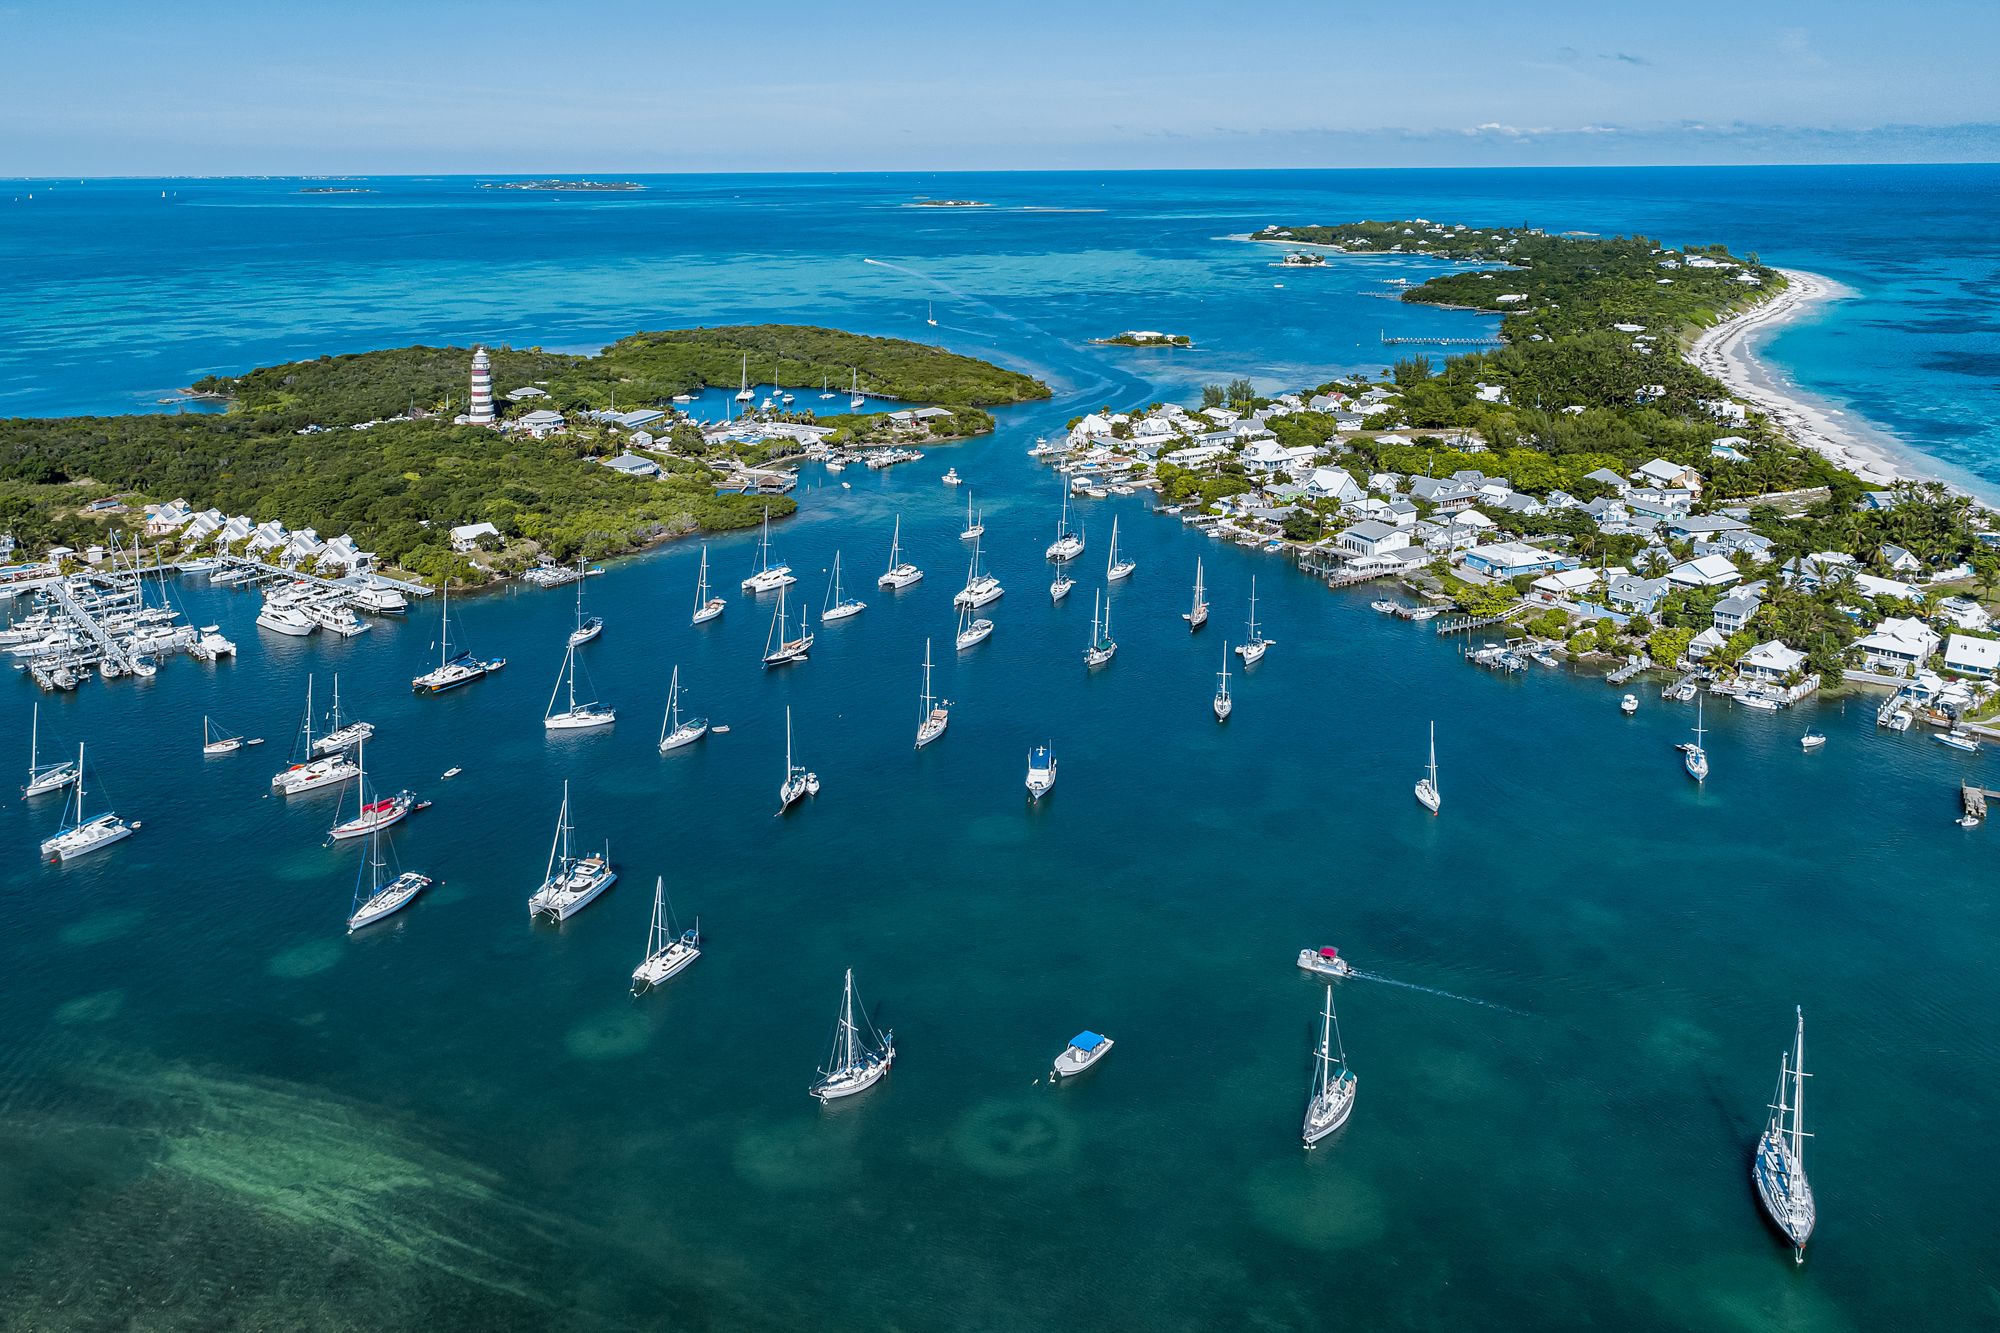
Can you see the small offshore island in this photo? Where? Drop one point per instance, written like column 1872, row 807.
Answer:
column 553, row 185
column 950, row 203
column 539, row 456
column 1144, row 338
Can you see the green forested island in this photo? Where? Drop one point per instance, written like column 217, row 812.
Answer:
column 399, row 483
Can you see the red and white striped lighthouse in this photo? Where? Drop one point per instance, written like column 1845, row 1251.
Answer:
column 482, row 389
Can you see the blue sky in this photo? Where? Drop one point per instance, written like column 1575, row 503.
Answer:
column 111, row 87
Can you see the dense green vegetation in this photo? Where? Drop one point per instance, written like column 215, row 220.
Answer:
column 646, row 369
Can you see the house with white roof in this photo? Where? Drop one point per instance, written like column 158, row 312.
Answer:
column 1710, row 571
column 1772, row 661
column 1970, row 656
column 300, row 547
column 1663, row 475
column 343, row 553
column 633, row 465
column 1964, row 613
column 1874, row 585
column 201, row 527
column 236, row 528
column 540, row 423
column 1334, row 483
column 166, row 518
column 1900, row 560
column 1222, row 416
column 1705, row 643
column 1564, row 584
column 1898, row 642
column 269, row 535
column 466, row 537
column 1370, row 538
column 1197, row 455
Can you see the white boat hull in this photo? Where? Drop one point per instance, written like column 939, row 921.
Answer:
column 1224, row 706
column 1196, row 618
column 902, row 576
column 590, row 629
column 842, row 611
column 769, row 580
column 1122, row 570
column 563, row 896
column 1427, row 796
column 975, row 633
column 392, row 898
column 95, row 835
column 285, row 622
column 580, row 719
column 668, row 962
column 685, row 734
column 1073, row 1062
column 1325, row 1115
column 710, row 610
column 975, row 595
column 330, row 772
column 859, row 1079
column 54, row 780
column 1251, row 653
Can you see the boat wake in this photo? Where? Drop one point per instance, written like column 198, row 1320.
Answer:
column 1432, row 990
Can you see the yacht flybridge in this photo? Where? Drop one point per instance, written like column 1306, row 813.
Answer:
column 1041, row 771
column 901, row 573
column 860, row 1055
column 570, row 882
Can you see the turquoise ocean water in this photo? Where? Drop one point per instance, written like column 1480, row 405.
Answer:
column 219, row 1110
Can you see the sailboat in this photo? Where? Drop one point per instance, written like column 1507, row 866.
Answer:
column 1223, row 703
column 1252, row 649
column 576, row 717
column 743, row 395
column 586, row 629
column 1693, row 757
column 975, row 526
column 933, row 714
column 372, row 816
column 1067, row 545
column 1427, row 786
column 901, row 573
column 570, row 883
column 309, row 773
column 778, row 649
column 826, row 387
column 1102, row 646
column 930, row 316
column 1114, row 568
column 798, row 783
column 705, row 607
column 838, row 607
column 342, row 736
column 452, row 672
column 971, row 629
column 768, row 576
column 856, row 400
column 379, row 899
column 860, row 1055
column 43, row 777
column 1333, row 1082
column 1060, row 585
column 1041, row 771
column 215, row 740
column 1198, row 616
column 980, row 588
column 1779, row 1168
column 667, row 951
column 78, row 835
column 675, row 733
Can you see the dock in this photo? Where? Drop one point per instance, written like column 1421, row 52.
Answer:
column 1620, row 675
column 108, row 648
column 346, row 584
column 1461, row 623
column 1387, row 341
column 1973, row 800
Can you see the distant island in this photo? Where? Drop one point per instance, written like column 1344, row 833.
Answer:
column 1302, row 259
column 1144, row 338
column 562, row 185
column 950, row 203
column 335, row 189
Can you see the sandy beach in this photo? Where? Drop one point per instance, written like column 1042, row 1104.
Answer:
column 1726, row 352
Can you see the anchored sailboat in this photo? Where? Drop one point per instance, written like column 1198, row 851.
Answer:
column 1114, row 568
column 78, row 835
column 743, row 395
column 215, row 740
column 43, row 778
column 1427, row 786
column 1251, row 650
column 1779, row 1168
column 675, row 733
column 1198, row 616
column 837, row 606
column 1333, row 1082
column 586, row 628
column 798, row 783
column 343, row 736
column 972, row 629
column 705, row 606
column 933, row 714
column 860, row 1055
column 980, row 587
column 1060, row 585
column 378, row 899
column 372, row 816
column 975, row 527
column 1067, row 545
column 856, row 400
column 779, row 649
column 452, row 671
column 667, row 951
column 901, row 573
column 570, row 883
column 768, row 577
column 576, row 717
column 310, row 774
column 1223, row 703
column 1693, row 757
column 1102, row 646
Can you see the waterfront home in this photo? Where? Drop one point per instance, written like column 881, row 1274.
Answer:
column 1705, row 643
column 1510, row 560
column 1772, row 661
column 1334, row 483
column 1196, row 455
column 1564, row 584
column 343, row 555
column 1222, row 416
column 466, row 537
column 1970, row 656
column 1668, row 476
column 1733, row 613
column 1899, row 642
column 1371, row 538
column 1710, row 571
column 300, row 547
column 1634, row 595
column 632, row 465
column 1268, row 456
column 1444, row 494
column 269, row 535
column 201, row 527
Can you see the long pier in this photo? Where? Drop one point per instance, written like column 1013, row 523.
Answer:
column 106, row 645
column 346, row 583
column 1387, row 341
column 1456, row 624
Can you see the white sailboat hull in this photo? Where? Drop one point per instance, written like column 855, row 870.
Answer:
column 563, row 896
column 861, row 1077
column 902, row 576
column 710, row 610
column 90, row 836
column 980, row 592
column 1427, row 796
column 1060, row 589
column 675, row 958
column 842, row 611
column 932, row 727
column 1122, row 570
column 1064, row 548
column 1783, row 1189
column 770, row 580
column 687, row 733
column 1251, row 653
column 328, row 772
column 54, row 779
column 587, row 631
column 1224, row 705
column 580, row 719
column 1325, row 1114
column 346, row 738
column 975, row 633
column 391, row 898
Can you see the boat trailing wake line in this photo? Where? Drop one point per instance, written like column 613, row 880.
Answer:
column 1432, row 990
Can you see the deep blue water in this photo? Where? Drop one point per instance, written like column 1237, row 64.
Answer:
column 462, row 1120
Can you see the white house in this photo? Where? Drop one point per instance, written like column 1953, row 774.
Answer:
column 1564, row 584
column 1973, row 657
column 1733, row 613
column 1334, row 483
column 1711, row 571
column 169, row 517
column 1964, row 612
column 466, row 537
column 1898, row 642
column 632, row 465
column 1668, row 476
column 1771, row 661
column 201, row 527
column 1372, row 539
column 268, row 536
column 1222, row 416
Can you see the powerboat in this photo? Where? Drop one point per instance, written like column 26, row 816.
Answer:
column 1084, row 1050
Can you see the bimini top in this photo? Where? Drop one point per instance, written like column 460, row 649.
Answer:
column 1086, row 1041
column 1329, row 953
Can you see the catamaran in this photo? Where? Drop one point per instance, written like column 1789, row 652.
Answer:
column 838, row 607
column 901, row 573
column 706, row 607
column 576, row 717
column 1779, row 1168
column 373, row 816
column 1084, row 1050
column 1041, row 771
column 933, row 714
column 1223, row 703
column 675, row 733
column 798, row 783
column 769, row 577
column 1427, row 786
column 972, row 630
column 1198, row 616
column 856, row 400
column 1333, row 1082
column 1114, row 568
column 215, row 740
column 979, row 588
column 975, row 526
column 1251, row 650
column 667, row 951
column 1326, row 961
column 587, row 628
column 1693, row 757
column 342, row 736
column 743, row 395
column 1067, row 545
column 379, row 899
column 452, row 672
column 1102, row 646
column 309, row 773
column 1060, row 585
column 779, row 649
column 78, row 835
column 43, row 777
column 860, row 1055
column 570, row 883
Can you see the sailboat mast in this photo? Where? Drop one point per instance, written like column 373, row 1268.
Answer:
column 1798, row 1087
column 34, row 742
column 79, row 782
column 925, row 712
